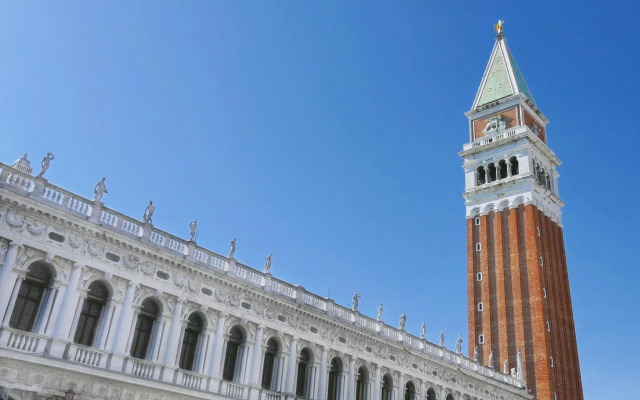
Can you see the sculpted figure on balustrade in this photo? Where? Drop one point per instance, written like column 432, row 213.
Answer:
column 99, row 190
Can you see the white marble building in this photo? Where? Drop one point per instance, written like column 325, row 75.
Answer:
column 101, row 304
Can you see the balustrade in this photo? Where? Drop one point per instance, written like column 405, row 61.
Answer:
column 233, row 390
column 22, row 341
column 86, row 355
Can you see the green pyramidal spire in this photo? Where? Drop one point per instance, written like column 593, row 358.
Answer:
column 502, row 77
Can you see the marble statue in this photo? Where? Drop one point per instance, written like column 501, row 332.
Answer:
column 148, row 212
column 403, row 322
column 459, row 344
column 379, row 318
column 476, row 353
column 498, row 27
column 491, row 358
column 99, row 190
column 495, row 124
column 442, row 339
column 233, row 248
column 506, row 366
column 193, row 230
column 519, row 364
column 356, row 299
column 46, row 160
column 267, row 265
column 423, row 330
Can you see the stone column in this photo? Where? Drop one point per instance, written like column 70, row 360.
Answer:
column 322, row 381
column 12, row 300
column 400, row 387
column 117, row 342
column 376, row 383
column 46, row 324
column 76, row 317
column 351, row 383
column 170, row 343
column 254, row 377
column 105, row 325
column 216, row 358
column 69, row 299
column 8, row 279
column 423, row 391
column 291, row 366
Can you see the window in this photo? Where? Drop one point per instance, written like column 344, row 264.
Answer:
column 232, row 356
column 31, row 295
column 480, row 306
column 479, row 276
column 409, row 391
column 491, row 176
column 477, row 221
column 481, row 338
column 302, row 382
column 478, row 246
column 269, row 364
column 190, row 341
column 333, row 384
column 513, row 161
column 90, row 315
column 450, row 397
column 480, row 176
column 431, row 394
column 149, row 313
column 361, row 381
column 387, row 387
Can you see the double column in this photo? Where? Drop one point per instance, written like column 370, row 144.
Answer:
column 9, row 283
column 64, row 320
column 255, row 364
column 291, row 366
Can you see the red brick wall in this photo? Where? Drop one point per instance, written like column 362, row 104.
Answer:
column 516, row 310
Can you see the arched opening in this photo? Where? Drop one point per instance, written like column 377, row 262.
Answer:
column 190, row 341
column 502, row 167
column 361, row 384
column 410, row 391
column 548, row 182
column 387, row 387
column 450, row 397
column 90, row 314
column 431, row 394
column 302, row 382
column 233, row 354
column 32, row 295
column 269, row 364
column 480, row 176
column 335, row 376
column 491, row 176
column 514, row 166
column 149, row 313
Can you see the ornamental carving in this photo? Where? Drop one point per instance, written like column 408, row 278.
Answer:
column 131, row 262
column 15, row 220
column 94, row 249
column 227, row 297
column 147, row 268
column 75, row 241
column 36, row 228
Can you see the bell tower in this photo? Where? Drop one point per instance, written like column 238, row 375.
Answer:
column 519, row 303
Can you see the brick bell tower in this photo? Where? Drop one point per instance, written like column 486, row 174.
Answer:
column 519, row 303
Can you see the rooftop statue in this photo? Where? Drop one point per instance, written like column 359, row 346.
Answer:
column 476, row 353
column 233, row 248
column 46, row 160
column 379, row 318
column 23, row 164
column 491, row 359
column 356, row 299
column 267, row 265
column 99, row 190
column 403, row 322
column 193, row 230
column 459, row 344
column 423, row 330
column 442, row 339
column 148, row 212
column 498, row 27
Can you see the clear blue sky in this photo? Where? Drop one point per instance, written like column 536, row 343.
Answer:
column 328, row 131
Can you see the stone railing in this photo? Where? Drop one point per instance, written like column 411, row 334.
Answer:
column 54, row 196
column 497, row 137
column 86, row 355
column 22, row 341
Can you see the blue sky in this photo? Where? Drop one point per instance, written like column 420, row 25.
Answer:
column 328, row 131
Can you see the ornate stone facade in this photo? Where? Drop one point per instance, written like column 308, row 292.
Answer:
column 217, row 328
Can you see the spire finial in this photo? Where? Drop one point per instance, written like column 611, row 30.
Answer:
column 498, row 27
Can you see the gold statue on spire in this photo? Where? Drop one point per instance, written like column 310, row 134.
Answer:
column 498, row 27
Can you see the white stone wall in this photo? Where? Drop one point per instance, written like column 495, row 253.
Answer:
column 84, row 242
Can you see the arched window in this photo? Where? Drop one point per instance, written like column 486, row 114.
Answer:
column 410, row 391
column 387, row 387
column 514, row 166
column 269, row 364
column 149, row 313
column 90, row 314
column 431, row 394
column 491, row 176
column 548, row 182
column 302, row 382
column 190, row 341
column 502, row 165
column 450, row 397
column 480, row 176
column 233, row 354
column 361, row 384
column 31, row 297
column 335, row 372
